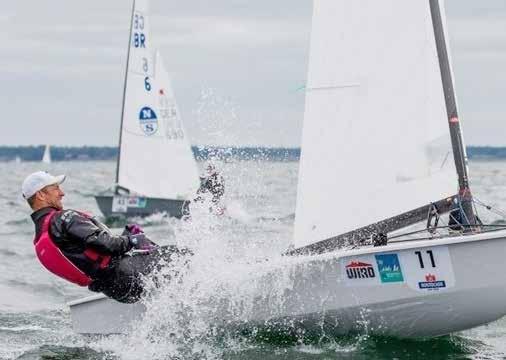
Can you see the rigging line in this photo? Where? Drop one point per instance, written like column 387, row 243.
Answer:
column 444, row 161
column 488, row 207
column 494, row 227
column 475, row 209
column 463, row 213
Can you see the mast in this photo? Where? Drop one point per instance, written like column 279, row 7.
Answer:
column 459, row 150
column 124, row 95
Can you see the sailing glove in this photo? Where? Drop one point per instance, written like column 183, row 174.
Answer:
column 141, row 242
column 132, row 229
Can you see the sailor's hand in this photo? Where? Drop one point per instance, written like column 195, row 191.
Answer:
column 133, row 229
column 141, row 242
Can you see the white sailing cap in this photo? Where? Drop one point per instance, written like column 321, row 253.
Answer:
column 37, row 181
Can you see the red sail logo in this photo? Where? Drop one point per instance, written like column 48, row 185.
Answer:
column 360, row 270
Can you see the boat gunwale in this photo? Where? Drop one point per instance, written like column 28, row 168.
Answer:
column 87, row 299
column 407, row 244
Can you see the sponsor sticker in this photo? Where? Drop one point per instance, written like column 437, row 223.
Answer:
column 137, row 202
column 120, row 204
column 389, row 268
column 148, row 120
column 360, row 270
column 427, row 269
column 431, row 283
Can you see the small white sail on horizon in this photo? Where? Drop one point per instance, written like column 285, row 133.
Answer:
column 46, row 158
column 155, row 155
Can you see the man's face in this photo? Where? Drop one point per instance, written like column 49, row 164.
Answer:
column 52, row 196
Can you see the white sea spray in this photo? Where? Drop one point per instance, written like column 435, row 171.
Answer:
column 223, row 285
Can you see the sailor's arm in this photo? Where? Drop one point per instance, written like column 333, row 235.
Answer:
column 80, row 228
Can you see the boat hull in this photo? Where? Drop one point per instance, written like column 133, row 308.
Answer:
column 98, row 314
column 148, row 206
column 398, row 297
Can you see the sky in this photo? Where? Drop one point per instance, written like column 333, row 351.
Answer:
column 237, row 67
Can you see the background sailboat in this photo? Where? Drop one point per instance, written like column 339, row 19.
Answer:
column 156, row 170
column 46, row 158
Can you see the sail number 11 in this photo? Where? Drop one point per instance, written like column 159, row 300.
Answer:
column 431, row 258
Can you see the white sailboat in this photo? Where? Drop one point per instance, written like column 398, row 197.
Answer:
column 156, row 170
column 382, row 150
column 46, row 158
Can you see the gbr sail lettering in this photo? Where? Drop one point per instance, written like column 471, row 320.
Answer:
column 139, row 38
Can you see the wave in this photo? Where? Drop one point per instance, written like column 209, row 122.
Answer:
column 22, row 328
column 284, row 219
column 49, row 289
column 322, row 343
column 63, row 352
column 8, row 252
column 17, row 222
column 151, row 220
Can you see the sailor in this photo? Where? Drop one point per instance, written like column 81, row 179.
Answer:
column 78, row 248
column 213, row 183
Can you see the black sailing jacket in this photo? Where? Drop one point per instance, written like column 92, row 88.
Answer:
column 74, row 232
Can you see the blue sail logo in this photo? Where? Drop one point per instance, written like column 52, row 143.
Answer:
column 148, row 120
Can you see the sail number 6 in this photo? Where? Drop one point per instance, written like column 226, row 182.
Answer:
column 431, row 257
column 147, row 85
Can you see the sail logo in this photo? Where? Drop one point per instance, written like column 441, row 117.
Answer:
column 389, row 268
column 148, row 120
column 431, row 283
column 360, row 270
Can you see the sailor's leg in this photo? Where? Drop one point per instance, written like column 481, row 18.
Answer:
column 125, row 283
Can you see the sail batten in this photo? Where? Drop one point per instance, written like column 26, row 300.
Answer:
column 376, row 143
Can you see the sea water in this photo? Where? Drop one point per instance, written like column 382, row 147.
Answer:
column 229, row 254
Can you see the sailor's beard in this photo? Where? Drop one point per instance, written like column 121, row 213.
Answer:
column 56, row 203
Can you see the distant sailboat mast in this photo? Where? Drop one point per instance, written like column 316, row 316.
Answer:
column 124, row 96
column 459, row 151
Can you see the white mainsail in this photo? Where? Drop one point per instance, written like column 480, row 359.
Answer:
column 46, row 158
column 375, row 137
column 155, row 156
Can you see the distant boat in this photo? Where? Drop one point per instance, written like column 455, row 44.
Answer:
column 17, row 160
column 46, row 158
column 156, row 170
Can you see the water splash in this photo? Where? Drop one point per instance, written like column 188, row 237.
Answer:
column 222, row 286
column 216, row 117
